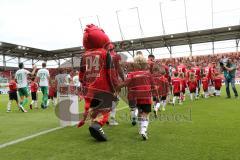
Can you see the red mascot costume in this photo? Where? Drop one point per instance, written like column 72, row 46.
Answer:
column 99, row 79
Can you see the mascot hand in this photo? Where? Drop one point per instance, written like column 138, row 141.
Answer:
column 80, row 124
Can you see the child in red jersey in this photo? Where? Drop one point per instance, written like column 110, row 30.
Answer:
column 130, row 97
column 52, row 92
column 116, row 58
column 156, row 92
column 177, row 88
column 181, row 69
column 205, row 86
column 140, row 85
column 212, row 78
column 218, row 84
column 184, row 86
column 197, row 72
column 192, row 85
column 208, row 72
column 12, row 93
column 164, row 93
column 34, row 89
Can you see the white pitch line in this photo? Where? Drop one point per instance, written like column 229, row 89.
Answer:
column 28, row 137
column 37, row 134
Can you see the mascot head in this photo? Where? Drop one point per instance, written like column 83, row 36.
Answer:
column 94, row 37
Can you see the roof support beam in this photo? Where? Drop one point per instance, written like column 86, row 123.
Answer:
column 72, row 62
column 37, row 61
column 4, row 62
column 11, row 59
column 131, row 53
column 190, row 48
column 170, row 50
column 26, row 60
column 150, row 51
column 19, row 60
column 237, row 44
column 213, row 47
column 59, row 63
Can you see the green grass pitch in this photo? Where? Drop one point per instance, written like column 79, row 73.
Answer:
column 204, row 129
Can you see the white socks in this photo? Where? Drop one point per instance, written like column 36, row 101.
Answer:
column 196, row 92
column 164, row 103
column 34, row 103
column 54, row 101
column 134, row 113
column 206, row 94
column 143, row 125
column 113, row 111
column 174, row 99
column 191, row 96
column 9, row 105
column 157, row 106
column 218, row 92
column 211, row 89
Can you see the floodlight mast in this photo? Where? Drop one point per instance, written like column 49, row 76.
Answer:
column 163, row 28
column 139, row 21
column 98, row 20
column 212, row 11
column 119, row 26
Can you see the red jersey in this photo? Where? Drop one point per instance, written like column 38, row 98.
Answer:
column 165, row 86
column 192, row 85
column 213, row 71
column 12, row 86
column 188, row 73
column 139, row 85
column 173, row 70
column 181, row 68
column 34, row 87
column 207, row 72
column 150, row 63
column 176, row 83
column 52, row 88
column 184, row 84
column 218, row 83
column 116, row 58
column 205, row 83
column 97, row 72
column 130, row 95
column 157, row 83
column 166, row 71
column 52, row 91
column 197, row 72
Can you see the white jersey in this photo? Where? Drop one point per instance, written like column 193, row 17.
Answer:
column 43, row 75
column 76, row 81
column 63, row 79
column 21, row 77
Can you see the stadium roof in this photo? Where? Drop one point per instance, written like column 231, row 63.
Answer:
column 186, row 38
